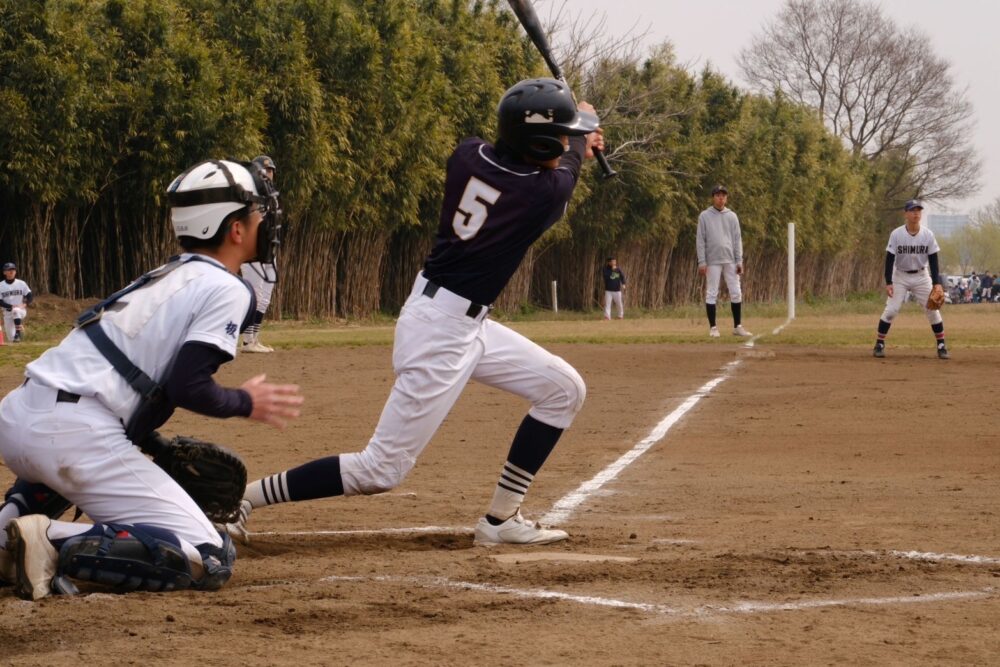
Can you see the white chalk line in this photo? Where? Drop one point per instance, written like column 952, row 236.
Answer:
column 413, row 530
column 700, row 611
column 564, row 507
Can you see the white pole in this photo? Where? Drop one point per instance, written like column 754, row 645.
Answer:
column 555, row 299
column 791, row 270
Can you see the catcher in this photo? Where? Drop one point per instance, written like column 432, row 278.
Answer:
column 69, row 432
column 911, row 252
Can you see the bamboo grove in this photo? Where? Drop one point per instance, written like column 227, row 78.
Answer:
column 360, row 102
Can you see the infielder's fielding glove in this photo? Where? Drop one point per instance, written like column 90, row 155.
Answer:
column 213, row 476
column 936, row 298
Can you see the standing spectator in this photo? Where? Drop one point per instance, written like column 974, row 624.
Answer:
column 985, row 286
column 720, row 253
column 974, row 284
column 15, row 297
column 614, row 286
column 995, row 291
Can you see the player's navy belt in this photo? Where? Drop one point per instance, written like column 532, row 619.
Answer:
column 474, row 310
column 63, row 396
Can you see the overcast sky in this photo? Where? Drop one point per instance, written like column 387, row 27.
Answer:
column 961, row 31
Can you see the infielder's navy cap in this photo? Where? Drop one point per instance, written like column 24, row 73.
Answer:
column 912, row 204
column 719, row 188
column 8, row 266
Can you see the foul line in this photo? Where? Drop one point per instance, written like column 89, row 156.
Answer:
column 561, row 511
column 450, row 530
column 701, row 611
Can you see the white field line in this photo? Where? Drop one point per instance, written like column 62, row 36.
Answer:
column 930, row 556
column 778, row 330
column 701, row 611
column 450, row 530
column 561, row 511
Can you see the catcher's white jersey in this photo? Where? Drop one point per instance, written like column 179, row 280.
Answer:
column 199, row 301
column 13, row 292
column 911, row 250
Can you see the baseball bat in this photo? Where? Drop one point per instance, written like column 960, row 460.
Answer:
column 525, row 13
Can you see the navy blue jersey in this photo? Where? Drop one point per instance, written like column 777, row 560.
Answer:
column 495, row 206
column 613, row 279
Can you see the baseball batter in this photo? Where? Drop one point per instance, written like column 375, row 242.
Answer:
column 261, row 277
column 912, row 250
column 498, row 200
column 66, row 431
column 15, row 297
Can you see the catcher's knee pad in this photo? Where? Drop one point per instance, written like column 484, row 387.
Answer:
column 218, row 564
column 127, row 558
column 565, row 396
column 32, row 498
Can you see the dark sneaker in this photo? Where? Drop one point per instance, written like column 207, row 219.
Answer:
column 943, row 352
column 879, row 351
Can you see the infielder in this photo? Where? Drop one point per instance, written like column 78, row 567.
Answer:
column 498, row 200
column 614, row 288
column 911, row 251
column 720, row 254
column 261, row 277
column 63, row 432
column 15, row 297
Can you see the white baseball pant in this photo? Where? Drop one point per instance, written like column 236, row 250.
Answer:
column 255, row 273
column 438, row 348
column 15, row 313
column 714, row 272
column 919, row 284
column 616, row 298
column 80, row 451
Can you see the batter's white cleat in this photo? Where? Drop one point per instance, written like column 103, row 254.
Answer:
column 238, row 529
column 255, row 346
column 268, row 348
column 516, row 530
column 713, row 332
column 35, row 559
column 740, row 331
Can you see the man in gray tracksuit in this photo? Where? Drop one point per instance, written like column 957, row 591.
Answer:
column 720, row 253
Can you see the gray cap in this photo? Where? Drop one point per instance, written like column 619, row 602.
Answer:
column 9, row 266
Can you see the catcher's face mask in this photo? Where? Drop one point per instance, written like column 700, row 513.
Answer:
column 269, row 231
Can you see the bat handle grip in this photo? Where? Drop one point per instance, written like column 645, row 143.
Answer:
column 606, row 169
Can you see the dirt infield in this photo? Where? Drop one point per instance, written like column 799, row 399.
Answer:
column 786, row 519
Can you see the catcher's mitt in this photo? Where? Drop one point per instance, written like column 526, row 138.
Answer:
column 936, row 298
column 213, row 476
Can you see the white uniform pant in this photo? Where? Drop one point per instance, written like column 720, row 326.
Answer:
column 616, row 298
column 903, row 283
column 15, row 313
column 712, row 275
column 80, row 451
column 255, row 273
column 437, row 350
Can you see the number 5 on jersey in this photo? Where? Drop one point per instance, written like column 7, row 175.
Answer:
column 471, row 212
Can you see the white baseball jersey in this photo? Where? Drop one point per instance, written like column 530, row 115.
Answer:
column 200, row 301
column 14, row 292
column 911, row 250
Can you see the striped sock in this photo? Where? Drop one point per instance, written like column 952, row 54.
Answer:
column 268, row 491
column 510, row 491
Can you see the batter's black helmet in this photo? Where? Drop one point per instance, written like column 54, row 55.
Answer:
column 534, row 113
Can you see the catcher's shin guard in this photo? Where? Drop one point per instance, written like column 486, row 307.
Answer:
column 218, row 564
column 33, row 498
column 127, row 558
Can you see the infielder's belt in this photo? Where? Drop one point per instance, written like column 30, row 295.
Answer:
column 63, row 396
column 914, row 271
column 474, row 311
